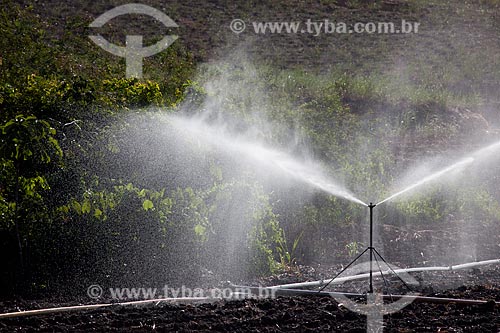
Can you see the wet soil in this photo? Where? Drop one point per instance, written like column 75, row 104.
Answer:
column 284, row 314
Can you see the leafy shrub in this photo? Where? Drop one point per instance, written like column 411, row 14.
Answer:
column 130, row 92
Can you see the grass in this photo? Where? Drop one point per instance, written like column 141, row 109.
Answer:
column 453, row 58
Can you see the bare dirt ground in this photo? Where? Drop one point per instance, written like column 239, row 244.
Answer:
column 284, row 314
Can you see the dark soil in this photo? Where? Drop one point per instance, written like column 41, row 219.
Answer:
column 284, row 314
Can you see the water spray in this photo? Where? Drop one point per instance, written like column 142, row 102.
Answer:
column 477, row 155
column 309, row 173
column 373, row 251
column 430, row 178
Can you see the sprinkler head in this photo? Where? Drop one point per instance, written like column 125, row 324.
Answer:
column 371, row 205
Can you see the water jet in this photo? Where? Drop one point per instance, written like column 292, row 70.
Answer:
column 307, row 172
column 461, row 164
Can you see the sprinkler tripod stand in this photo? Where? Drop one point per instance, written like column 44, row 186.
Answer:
column 373, row 255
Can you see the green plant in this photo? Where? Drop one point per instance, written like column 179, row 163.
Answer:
column 130, row 92
column 27, row 147
column 353, row 248
column 287, row 258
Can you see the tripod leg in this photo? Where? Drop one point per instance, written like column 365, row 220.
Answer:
column 383, row 277
column 392, row 270
column 342, row 271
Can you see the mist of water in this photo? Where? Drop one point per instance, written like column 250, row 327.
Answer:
column 307, row 172
column 463, row 163
column 430, row 178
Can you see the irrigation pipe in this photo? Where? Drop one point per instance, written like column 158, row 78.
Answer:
column 178, row 300
column 320, row 283
column 278, row 292
column 281, row 290
column 415, row 298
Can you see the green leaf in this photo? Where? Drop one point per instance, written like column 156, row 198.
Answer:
column 77, row 207
column 200, row 230
column 97, row 213
column 63, row 209
column 86, row 207
column 147, row 205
